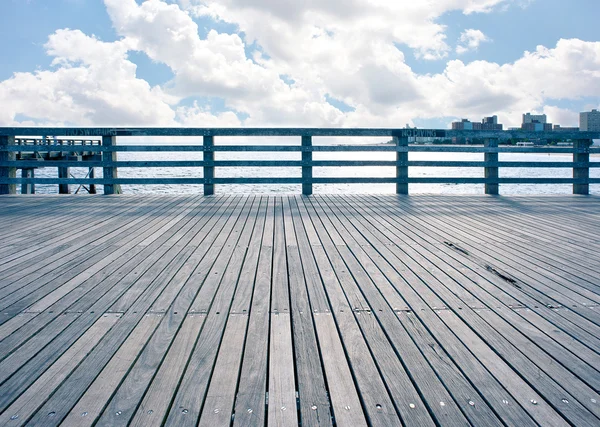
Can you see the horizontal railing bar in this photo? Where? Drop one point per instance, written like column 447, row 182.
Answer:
column 298, row 180
column 53, row 148
column 288, row 163
column 452, row 164
column 358, row 132
column 297, row 148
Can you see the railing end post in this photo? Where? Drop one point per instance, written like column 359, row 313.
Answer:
column 7, row 171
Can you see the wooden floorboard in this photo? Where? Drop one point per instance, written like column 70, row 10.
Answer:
column 290, row 310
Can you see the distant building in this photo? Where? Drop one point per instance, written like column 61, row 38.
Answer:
column 570, row 129
column 464, row 124
column 537, row 127
column 589, row 121
column 534, row 118
column 488, row 123
column 535, row 123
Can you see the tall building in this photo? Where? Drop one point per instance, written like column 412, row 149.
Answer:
column 533, row 118
column 488, row 123
column 464, row 124
column 589, row 121
column 535, row 123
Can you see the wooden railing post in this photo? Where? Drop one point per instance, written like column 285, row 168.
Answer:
column 401, row 165
column 110, row 172
column 581, row 154
column 92, row 175
column 307, row 170
column 7, row 171
column 491, row 172
column 209, row 171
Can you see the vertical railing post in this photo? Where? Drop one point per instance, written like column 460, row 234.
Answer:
column 109, row 171
column 92, row 175
column 581, row 154
column 307, row 170
column 7, row 171
column 26, row 188
column 209, row 171
column 64, row 172
column 491, row 172
column 401, row 165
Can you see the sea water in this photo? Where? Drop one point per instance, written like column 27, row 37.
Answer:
column 349, row 171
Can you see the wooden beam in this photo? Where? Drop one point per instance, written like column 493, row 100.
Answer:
column 379, row 132
column 92, row 175
column 209, row 171
column 110, row 172
column 491, row 172
column 7, row 171
column 27, row 188
column 307, row 172
column 64, row 173
column 401, row 165
column 581, row 154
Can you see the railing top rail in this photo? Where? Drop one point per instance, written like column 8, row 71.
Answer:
column 331, row 132
column 297, row 148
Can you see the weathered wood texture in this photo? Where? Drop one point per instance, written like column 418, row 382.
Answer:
column 7, row 171
column 86, row 150
column 109, row 172
column 321, row 310
column 404, row 133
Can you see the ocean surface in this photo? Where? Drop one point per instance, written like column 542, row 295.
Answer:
column 365, row 171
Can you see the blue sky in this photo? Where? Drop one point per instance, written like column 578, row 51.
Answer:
column 311, row 63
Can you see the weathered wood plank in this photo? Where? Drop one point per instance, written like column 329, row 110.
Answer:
column 132, row 390
column 88, row 132
column 105, row 384
column 315, row 408
column 26, row 405
column 250, row 402
column 407, row 313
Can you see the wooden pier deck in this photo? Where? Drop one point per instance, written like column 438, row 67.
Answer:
column 344, row 310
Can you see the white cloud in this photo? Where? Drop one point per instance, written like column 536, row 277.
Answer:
column 562, row 116
column 353, row 52
column 94, row 83
column 470, row 40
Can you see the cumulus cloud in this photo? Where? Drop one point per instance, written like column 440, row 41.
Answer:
column 470, row 40
column 94, row 84
column 353, row 52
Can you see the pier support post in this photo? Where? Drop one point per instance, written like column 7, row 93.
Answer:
column 7, row 171
column 65, row 174
column 491, row 172
column 92, row 175
column 110, row 172
column 581, row 154
column 209, row 171
column 27, row 188
column 307, row 170
column 401, row 165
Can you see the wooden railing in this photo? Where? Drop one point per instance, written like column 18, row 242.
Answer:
column 12, row 147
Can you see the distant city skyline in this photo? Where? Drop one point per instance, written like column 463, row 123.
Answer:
column 589, row 121
column 376, row 63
